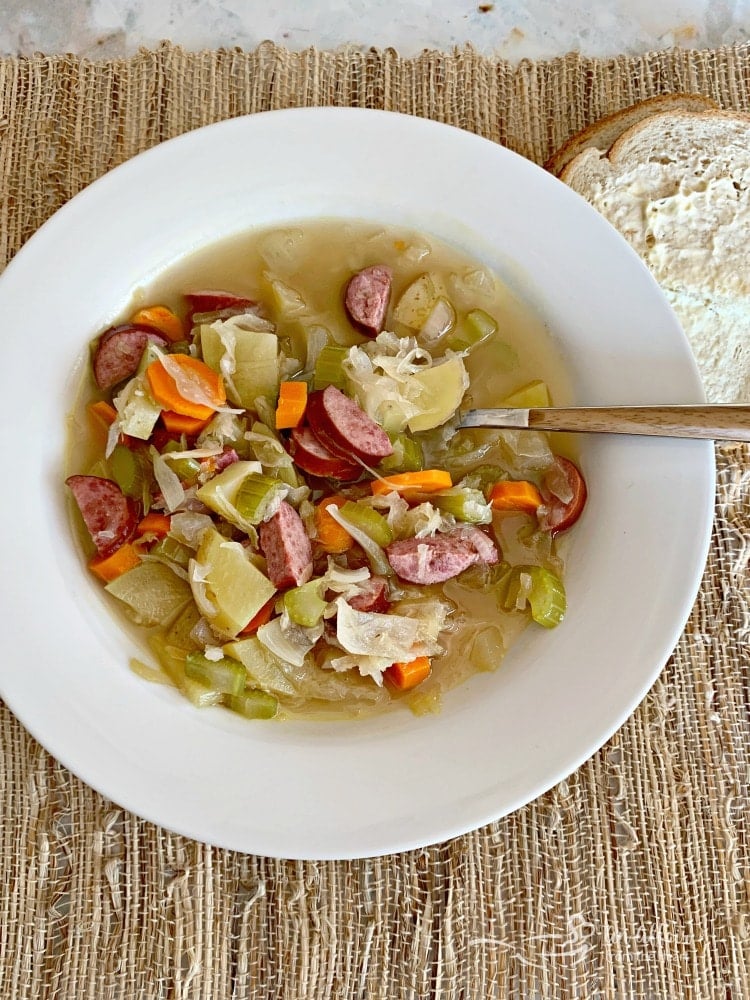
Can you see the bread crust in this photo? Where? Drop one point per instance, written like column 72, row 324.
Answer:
column 603, row 133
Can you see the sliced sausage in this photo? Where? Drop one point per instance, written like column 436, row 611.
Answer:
column 119, row 352
column 344, row 428
column 561, row 512
column 366, row 299
column 110, row 516
column 206, row 301
column 317, row 460
column 374, row 596
column 287, row 548
column 440, row 557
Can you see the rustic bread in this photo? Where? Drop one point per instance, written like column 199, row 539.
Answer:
column 606, row 130
column 677, row 186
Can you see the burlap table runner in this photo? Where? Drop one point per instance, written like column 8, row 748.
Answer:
column 630, row 879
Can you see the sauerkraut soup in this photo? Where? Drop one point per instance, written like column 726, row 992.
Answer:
column 267, row 478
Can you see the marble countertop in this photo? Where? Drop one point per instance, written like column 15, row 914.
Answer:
column 513, row 29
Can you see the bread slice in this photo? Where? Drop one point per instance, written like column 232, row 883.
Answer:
column 677, row 186
column 601, row 134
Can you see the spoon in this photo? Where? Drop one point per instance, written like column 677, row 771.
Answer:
column 716, row 422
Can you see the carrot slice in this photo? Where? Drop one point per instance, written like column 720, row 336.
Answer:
column 425, row 481
column 331, row 536
column 291, row 405
column 154, row 524
column 109, row 567
column 516, row 495
column 259, row 618
column 196, row 377
column 179, row 423
column 404, row 676
column 161, row 319
column 102, row 412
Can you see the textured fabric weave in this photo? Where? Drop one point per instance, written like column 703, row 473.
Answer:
column 629, row 880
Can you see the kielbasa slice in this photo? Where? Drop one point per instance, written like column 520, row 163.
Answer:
column 119, row 352
column 374, row 596
column 206, row 301
column 440, row 557
column 366, row 299
column 317, row 460
column 110, row 516
column 344, row 428
column 287, row 548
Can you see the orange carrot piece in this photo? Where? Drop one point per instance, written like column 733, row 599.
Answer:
column 291, row 405
column 109, row 567
column 424, row 481
column 404, row 676
column 516, row 495
column 154, row 524
column 259, row 618
column 331, row 536
column 162, row 320
column 179, row 423
column 195, row 372
column 102, row 412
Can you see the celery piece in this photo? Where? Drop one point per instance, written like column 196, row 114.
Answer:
column 368, row 520
column 329, row 368
column 484, row 478
column 169, row 548
column 228, row 588
column 257, row 495
column 172, row 661
column 225, row 675
column 477, row 327
column 544, row 593
column 151, row 592
column 407, row 455
column 253, row 704
column 151, row 352
column 200, row 694
column 304, row 604
column 126, row 469
column 220, row 492
column 465, row 504
column 529, row 396
column 187, row 469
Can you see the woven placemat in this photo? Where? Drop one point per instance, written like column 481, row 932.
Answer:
column 628, row 880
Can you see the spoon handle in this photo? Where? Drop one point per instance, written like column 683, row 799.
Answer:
column 716, row 422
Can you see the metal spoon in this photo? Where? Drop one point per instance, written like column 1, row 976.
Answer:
column 717, row 422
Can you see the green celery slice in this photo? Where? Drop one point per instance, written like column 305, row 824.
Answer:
column 407, row 455
column 329, row 368
column 253, row 704
column 169, row 548
column 369, row 521
column 127, row 470
column 465, row 504
column 256, row 496
column 304, row 604
column 224, row 675
column 546, row 596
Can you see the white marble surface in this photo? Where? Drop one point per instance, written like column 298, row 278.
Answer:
column 513, row 29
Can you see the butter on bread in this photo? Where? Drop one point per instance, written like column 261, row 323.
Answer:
column 676, row 184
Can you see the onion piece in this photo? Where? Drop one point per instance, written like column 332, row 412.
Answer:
column 167, row 480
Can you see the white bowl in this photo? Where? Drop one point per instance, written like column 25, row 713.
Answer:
column 347, row 789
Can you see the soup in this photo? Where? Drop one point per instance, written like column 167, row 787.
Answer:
column 270, row 482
